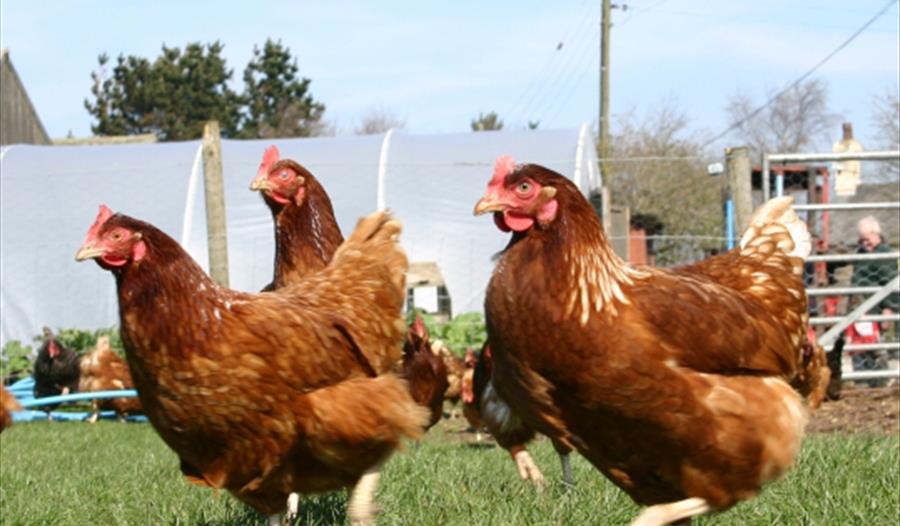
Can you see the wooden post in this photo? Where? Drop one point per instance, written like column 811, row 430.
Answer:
column 215, row 203
column 739, row 186
column 604, row 90
column 812, row 176
column 620, row 218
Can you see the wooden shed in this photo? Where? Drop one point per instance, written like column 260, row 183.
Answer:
column 19, row 122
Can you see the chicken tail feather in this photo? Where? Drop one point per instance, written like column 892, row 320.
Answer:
column 766, row 221
column 377, row 234
column 370, row 264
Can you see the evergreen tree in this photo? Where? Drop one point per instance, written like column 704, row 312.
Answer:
column 172, row 97
column 487, row 122
column 278, row 102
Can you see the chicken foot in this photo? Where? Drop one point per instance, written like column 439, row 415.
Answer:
column 662, row 514
column 361, row 507
column 528, row 470
column 293, row 506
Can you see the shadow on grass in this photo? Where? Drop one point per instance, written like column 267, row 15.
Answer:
column 480, row 445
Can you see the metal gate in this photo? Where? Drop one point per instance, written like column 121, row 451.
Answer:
column 858, row 305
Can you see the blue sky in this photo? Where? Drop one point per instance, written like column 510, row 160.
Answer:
column 437, row 64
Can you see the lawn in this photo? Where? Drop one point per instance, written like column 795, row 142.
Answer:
column 111, row 473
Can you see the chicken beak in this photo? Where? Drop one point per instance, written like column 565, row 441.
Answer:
column 260, row 184
column 88, row 252
column 489, row 203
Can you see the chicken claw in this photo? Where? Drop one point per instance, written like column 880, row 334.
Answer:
column 662, row 514
column 528, row 470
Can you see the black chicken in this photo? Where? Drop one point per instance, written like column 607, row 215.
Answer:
column 56, row 370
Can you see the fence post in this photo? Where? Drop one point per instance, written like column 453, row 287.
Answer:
column 215, row 203
column 737, row 160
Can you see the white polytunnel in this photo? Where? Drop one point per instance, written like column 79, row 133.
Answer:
column 49, row 196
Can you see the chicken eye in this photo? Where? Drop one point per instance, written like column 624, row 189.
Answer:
column 524, row 187
column 284, row 175
column 116, row 236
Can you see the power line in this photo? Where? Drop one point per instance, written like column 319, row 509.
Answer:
column 535, row 84
column 639, row 11
column 543, row 89
column 803, row 77
column 586, row 56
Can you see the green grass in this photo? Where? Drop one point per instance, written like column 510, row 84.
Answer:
column 111, row 473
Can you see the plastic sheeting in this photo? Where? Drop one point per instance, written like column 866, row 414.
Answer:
column 50, row 196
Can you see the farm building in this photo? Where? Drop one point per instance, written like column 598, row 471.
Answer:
column 19, row 121
column 430, row 182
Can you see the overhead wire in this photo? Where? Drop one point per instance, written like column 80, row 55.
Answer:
column 558, row 92
column 535, row 83
column 801, row 78
column 561, row 63
column 573, row 79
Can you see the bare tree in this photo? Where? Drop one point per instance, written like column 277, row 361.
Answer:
column 658, row 169
column 379, row 120
column 796, row 121
column 886, row 120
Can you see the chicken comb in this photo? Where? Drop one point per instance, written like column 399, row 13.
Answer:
column 270, row 157
column 418, row 327
column 102, row 217
column 503, row 166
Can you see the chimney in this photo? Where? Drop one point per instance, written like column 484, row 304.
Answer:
column 848, row 131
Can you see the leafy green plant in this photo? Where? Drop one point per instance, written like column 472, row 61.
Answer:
column 82, row 341
column 15, row 360
column 465, row 330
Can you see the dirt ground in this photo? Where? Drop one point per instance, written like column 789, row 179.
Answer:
column 859, row 410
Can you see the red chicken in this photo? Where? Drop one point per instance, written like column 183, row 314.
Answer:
column 274, row 393
column 306, row 237
column 470, row 409
column 306, row 232
column 456, row 369
column 8, row 404
column 483, row 407
column 674, row 385
column 425, row 372
column 103, row 370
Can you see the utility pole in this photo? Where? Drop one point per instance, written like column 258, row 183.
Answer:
column 604, row 90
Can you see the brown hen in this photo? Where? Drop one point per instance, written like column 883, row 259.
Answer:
column 484, row 408
column 425, row 372
column 8, row 404
column 306, row 231
column 673, row 385
column 306, row 237
column 103, row 370
column 267, row 394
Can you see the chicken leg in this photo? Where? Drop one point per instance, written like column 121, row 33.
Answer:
column 663, row 514
column 361, row 508
column 528, row 470
column 293, row 506
column 568, row 480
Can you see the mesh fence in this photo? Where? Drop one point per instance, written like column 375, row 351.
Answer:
column 855, row 254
